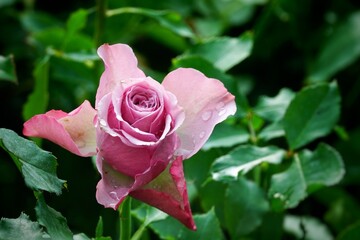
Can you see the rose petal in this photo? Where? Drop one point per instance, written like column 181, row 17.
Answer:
column 120, row 65
column 123, row 158
column 168, row 193
column 115, row 186
column 205, row 101
column 74, row 131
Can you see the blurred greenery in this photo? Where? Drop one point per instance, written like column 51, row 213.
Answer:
column 286, row 166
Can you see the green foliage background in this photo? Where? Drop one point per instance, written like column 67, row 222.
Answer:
column 287, row 166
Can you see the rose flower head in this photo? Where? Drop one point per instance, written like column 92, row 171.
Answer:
column 140, row 130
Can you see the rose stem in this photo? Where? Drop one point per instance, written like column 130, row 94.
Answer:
column 125, row 219
column 99, row 21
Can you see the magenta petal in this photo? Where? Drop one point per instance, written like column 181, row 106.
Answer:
column 168, row 193
column 115, row 186
column 123, row 158
column 74, row 131
column 205, row 101
column 120, row 65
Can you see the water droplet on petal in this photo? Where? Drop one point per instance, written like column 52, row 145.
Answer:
column 114, row 196
column 222, row 112
column 193, row 139
column 103, row 123
column 220, row 107
column 206, row 115
column 202, row 134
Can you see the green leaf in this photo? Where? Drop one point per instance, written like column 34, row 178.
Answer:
column 74, row 24
column 82, row 236
column 307, row 173
column 20, row 228
column 340, row 49
column 242, row 159
column 350, row 233
column 165, row 37
column 83, row 57
column 311, row 114
column 34, row 21
column 224, row 52
column 208, row 227
column 7, row 69
column 76, row 21
column 245, row 205
column 273, row 108
column 57, row 38
column 288, row 188
column 225, row 135
column 148, row 214
column 213, row 195
column 207, row 27
column 168, row 19
column 55, row 223
column 304, row 227
column 99, row 228
column 274, row 130
column 38, row 100
column 206, row 67
column 325, row 167
column 230, row 12
column 271, row 226
column 197, row 170
column 37, row 166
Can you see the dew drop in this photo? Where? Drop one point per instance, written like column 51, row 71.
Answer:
column 103, row 122
column 193, row 139
column 222, row 112
column 202, row 134
column 220, row 107
column 114, row 195
column 206, row 115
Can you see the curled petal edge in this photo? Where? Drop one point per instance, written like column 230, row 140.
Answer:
column 74, row 131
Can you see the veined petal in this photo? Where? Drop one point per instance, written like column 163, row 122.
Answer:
column 120, row 65
column 205, row 101
column 74, row 131
column 168, row 193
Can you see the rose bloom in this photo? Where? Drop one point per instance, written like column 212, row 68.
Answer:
column 140, row 130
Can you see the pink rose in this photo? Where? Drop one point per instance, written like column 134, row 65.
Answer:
column 141, row 130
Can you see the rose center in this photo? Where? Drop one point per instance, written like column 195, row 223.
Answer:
column 144, row 101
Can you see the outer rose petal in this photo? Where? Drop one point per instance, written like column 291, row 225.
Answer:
column 115, row 186
column 168, row 193
column 120, row 65
column 127, row 160
column 205, row 101
column 74, row 131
